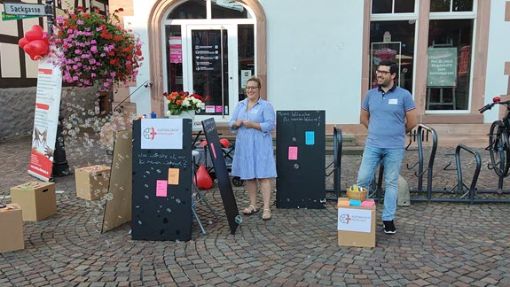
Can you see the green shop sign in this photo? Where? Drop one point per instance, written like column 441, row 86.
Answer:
column 8, row 17
column 442, row 69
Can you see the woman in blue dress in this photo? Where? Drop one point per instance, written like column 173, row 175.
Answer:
column 253, row 120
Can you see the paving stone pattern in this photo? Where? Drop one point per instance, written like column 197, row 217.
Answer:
column 437, row 244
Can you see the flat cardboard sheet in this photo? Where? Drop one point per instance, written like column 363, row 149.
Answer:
column 118, row 208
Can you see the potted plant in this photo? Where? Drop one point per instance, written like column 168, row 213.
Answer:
column 183, row 104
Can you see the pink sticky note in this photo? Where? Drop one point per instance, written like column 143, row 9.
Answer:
column 368, row 203
column 161, row 188
column 293, row 152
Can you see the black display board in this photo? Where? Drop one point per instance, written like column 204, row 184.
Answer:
column 300, row 159
column 220, row 168
column 154, row 215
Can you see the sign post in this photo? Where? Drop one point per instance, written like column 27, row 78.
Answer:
column 50, row 13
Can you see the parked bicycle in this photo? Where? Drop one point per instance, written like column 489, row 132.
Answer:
column 499, row 145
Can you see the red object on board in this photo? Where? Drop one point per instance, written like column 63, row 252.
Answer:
column 225, row 143
column 203, row 179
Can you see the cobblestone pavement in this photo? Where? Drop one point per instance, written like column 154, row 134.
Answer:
column 437, row 244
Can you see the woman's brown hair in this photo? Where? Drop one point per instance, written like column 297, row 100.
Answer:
column 256, row 80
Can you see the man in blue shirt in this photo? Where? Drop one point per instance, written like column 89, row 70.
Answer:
column 389, row 113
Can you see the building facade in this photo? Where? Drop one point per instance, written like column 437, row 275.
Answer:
column 320, row 55
column 18, row 73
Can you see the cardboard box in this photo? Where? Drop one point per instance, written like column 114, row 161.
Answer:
column 92, row 181
column 36, row 199
column 356, row 226
column 11, row 228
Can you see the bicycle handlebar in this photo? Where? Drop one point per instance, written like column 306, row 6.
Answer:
column 489, row 106
column 486, row 107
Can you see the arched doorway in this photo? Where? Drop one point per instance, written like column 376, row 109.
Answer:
column 206, row 46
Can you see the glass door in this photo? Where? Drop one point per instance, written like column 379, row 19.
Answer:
column 210, row 68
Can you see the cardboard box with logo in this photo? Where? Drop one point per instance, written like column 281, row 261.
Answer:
column 92, row 181
column 356, row 225
column 11, row 228
column 36, row 199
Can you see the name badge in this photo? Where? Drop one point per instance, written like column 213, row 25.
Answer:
column 393, row 101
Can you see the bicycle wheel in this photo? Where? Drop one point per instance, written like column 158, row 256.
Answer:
column 499, row 149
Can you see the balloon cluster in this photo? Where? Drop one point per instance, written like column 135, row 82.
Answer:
column 35, row 43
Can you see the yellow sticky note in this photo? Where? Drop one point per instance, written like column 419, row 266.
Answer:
column 173, row 176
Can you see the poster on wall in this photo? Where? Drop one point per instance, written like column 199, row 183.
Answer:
column 47, row 104
column 175, row 43
column 442, row 68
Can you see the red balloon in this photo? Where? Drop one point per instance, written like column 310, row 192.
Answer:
column 22, row 42
column 203, row 179
column 225, row 143
column 36, row 49
column 36, row 33
column 46, row 39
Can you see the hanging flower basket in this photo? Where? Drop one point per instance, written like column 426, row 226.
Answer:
column 94, row 49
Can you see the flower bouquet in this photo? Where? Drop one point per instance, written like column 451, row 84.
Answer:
column 179, row 102
column 94, row 49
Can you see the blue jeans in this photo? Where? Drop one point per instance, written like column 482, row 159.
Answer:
column 392, row 160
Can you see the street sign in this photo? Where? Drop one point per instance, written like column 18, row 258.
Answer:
column 24, row 9
column 7, row 17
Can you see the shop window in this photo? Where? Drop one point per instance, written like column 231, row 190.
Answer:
column 208, row 55
column 449, row 64
column 174, row 57
column 394, row 41
column 191, row 9
column 404, row 6
column 451, row 5
column 221, row 9
column 392, row 6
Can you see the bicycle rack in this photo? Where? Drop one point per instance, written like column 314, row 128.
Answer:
column 461, row 187
column 413, row 135
column 461, row 192
column 336, row 163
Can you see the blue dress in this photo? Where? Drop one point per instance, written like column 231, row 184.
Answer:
column 253, row 157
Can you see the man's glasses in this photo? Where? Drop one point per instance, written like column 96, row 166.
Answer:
column 382, row 72
column 251, row 88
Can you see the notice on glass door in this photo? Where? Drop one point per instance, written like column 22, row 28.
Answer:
column 175, row 43
column 209, row 49
column 206, row 57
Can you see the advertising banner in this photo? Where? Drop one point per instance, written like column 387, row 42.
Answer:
column 47, row 104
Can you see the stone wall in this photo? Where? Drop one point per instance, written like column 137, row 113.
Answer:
column 17, row 107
